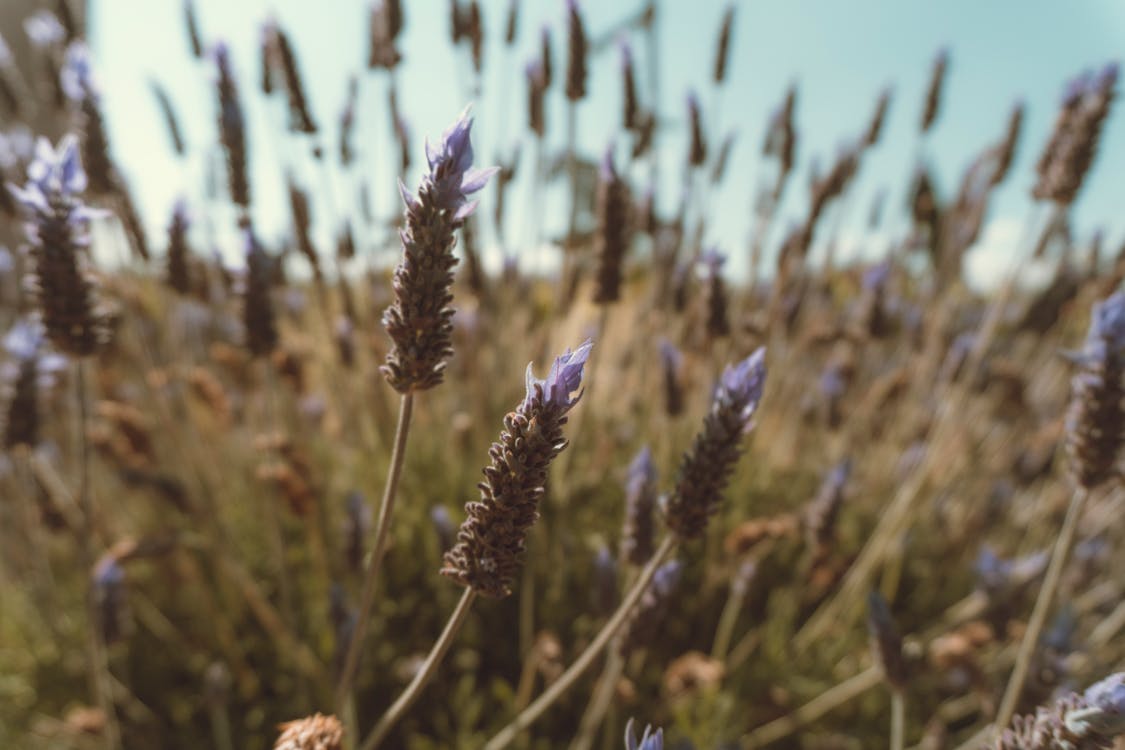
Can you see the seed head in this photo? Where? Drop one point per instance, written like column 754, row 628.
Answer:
column 613, row 207
column 232, row 128
column 576, row 53
column 316, row 732
column 933, row 92
column 697, row 154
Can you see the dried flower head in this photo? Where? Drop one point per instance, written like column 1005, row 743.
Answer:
column 630, row 108
column 722, row 46
column 576, row 48
column 300, row 117
column 933, row 91
column 613, row 207
column 875, row 127
column 1095, row 422
column 232, row 128
column 491, row 543
column 419, row 320
column 257, row 303
column 706, row 468
column 58, row 240
column 697, row 152
column 536, row 88
column 670, row 360
column 1006, row 150
column 195, row 40
column 718, row 317
column 316, row 732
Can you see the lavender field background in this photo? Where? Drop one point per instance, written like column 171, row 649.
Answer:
column 819, row 442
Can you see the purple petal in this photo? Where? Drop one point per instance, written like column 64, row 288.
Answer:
column 465, row 210
column 744, row 382
column 475, row 179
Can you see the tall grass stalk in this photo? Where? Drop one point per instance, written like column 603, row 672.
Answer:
column 1043, row 603
column 424, row 674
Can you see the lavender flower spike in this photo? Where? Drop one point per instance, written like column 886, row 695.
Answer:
column 491, row 543
column 707, row 467
column 57, row 237
column 1094, row 420
column 419, row 320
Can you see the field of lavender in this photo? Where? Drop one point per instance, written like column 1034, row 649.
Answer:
column 319, row 499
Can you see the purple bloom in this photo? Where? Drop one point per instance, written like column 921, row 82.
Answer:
column 741, row 385
column 1107, row 329
column 53, row 171
column 44, row 29
column 451, row 175
column 76, row 76
column 1106, row 711
column 875, row 278
column 649, row 740
column 563, row 379
column 642, row 471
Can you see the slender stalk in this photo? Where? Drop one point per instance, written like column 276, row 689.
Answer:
column 606, row 686
column 727, row 620
column 898, row 719
column 814, row 709
column 398, row 453
column 599, row 703
column 586, row 659
column 98, row 662
column 414, row 690
column 1042, row 607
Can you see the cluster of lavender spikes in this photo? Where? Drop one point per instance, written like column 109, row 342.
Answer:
column 419, row 320
column 491, row 542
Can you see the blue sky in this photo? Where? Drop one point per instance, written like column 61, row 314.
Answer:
column 840, row 53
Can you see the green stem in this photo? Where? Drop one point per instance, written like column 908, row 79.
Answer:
column 398, row 453
column 898, row 719
column 424, row 674
column 100, row 678
column 586, row 659
column 1042, row 607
